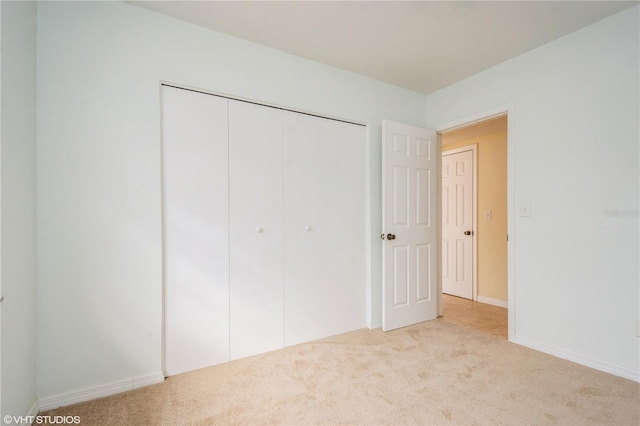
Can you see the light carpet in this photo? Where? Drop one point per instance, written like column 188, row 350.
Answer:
column 433, row 373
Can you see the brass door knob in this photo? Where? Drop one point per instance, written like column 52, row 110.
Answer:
column 391, row 237
column 467, row 232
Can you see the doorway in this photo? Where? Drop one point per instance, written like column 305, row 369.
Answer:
column 474, row 269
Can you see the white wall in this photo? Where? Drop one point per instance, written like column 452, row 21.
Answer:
column 575, row 145
column 18, row 207
column 99, row 68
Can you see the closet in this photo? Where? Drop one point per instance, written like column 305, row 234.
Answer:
column 263, row 226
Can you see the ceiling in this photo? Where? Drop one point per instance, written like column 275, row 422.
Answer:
column 419, row 45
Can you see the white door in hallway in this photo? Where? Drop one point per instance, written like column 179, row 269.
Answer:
column 409, row 223
column 457, row 223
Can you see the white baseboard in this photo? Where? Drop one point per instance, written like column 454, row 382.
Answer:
column 494, row 302
column 34, row 409
column 607, row 367
column 62, row 400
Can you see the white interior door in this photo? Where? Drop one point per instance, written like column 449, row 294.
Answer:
column 196, row 237
column 409, row 223
column 457, row 223
column 256, row 229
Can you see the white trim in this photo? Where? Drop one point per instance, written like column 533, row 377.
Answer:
column 259, row 102
column 494, row 302
column 439, row 222
column 507, row 109
column 369, row 243
column 470, row 147
column 34, row 410
column 88, row 394
column 474, row 119
column 1, row 275
column 377, row 323
column 473, row 147
column 607, row 367
column 163, row 238
column 511, row 215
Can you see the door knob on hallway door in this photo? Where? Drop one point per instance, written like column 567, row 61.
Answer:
column 391, row 237
column 467, row 232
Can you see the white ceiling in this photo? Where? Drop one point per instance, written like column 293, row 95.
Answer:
column 419, row 45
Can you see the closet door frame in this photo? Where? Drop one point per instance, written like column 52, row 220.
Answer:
column 195, row 261
column 367, row 207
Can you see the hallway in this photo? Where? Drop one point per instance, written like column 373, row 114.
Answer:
column 479, row 316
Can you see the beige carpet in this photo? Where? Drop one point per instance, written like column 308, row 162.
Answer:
column 429, row 374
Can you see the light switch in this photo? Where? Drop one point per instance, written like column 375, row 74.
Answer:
column 525, row 210
column 487, row 215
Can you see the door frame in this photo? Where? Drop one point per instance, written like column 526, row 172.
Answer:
column 367, row 205
column 474, row 212
column 508, row 110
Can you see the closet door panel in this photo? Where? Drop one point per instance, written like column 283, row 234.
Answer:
column 306, row 244
column 196, row 239
column 256, row 245
column 347, row 196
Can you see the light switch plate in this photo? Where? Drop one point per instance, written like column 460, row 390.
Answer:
column 487, row 215
column 525, row 210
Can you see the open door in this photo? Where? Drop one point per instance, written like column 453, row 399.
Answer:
column 409, row 223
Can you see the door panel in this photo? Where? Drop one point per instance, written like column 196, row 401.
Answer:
column 423, row 278
column 306, row 232
column 196, row 238
column 256, row 229
column 347, row 226
column 401, row 183
column 401, row 274
column 324, row 227
column 457, row 214
column 409, row 206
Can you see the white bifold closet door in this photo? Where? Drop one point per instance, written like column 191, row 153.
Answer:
column 264, row 228
column 196, row 232
column 306, row 233
column 324, row 201
column 255, row 208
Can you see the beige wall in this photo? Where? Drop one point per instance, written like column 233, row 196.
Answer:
column 492, row 195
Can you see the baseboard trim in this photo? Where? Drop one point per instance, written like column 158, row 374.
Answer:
column 34, row 409
column 607, row 367
column 376, row 324
column 494, row 302
column 88, row 394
